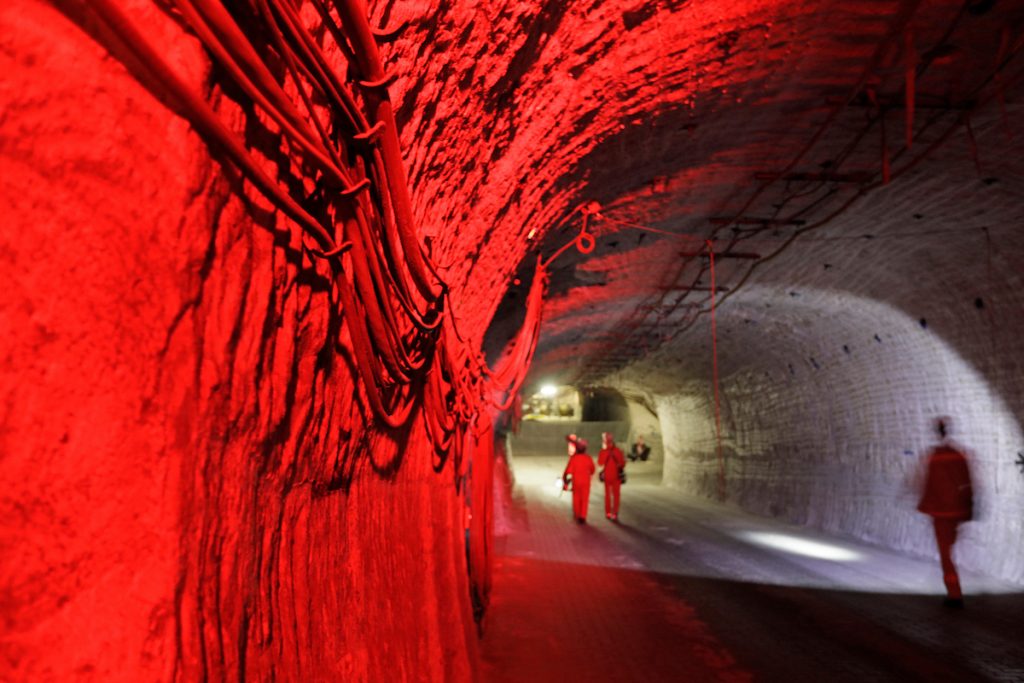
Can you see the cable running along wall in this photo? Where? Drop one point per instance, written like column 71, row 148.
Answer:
column 314, row 74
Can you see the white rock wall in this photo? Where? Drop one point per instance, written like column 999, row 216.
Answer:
column 833, row 438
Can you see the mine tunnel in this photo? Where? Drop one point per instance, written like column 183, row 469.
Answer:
column 308, row 306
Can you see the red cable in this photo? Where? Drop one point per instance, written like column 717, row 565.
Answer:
column 391, row 351
column 353, row 15
column 714, row 376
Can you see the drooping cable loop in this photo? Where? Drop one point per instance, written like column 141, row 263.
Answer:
column 508, row 376
column 584, row 241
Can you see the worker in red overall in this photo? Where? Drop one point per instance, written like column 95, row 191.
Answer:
column 949, row 498
column 613, row 462
column 579, row 471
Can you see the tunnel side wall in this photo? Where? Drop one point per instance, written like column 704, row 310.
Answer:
column 643, row 422
column 833, row 437
column 189, row 491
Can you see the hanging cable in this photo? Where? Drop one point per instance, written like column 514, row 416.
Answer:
column 340, row 138
column 714, row 376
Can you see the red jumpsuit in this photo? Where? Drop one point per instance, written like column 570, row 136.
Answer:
column 949, row 498
column 612, row 460
column 581, row 469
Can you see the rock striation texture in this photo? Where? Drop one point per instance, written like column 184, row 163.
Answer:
column 190, row 484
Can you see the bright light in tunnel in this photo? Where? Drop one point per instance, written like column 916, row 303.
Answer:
column 800, row 546
column 548, row 390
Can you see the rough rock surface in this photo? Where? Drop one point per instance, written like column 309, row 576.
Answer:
column 189, row 489
column 896, row 301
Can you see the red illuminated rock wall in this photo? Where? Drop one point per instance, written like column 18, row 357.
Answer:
column 189, row 490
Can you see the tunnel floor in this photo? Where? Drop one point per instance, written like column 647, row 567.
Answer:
column 687, row 590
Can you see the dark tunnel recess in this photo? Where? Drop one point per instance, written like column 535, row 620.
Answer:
column 602, row 404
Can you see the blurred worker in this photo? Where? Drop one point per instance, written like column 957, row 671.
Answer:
column 614, row 464
column 949, row 498
column 578, row 472
column 640, row 450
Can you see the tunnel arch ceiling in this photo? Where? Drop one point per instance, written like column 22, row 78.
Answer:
column 681, row 117
column 515, row 115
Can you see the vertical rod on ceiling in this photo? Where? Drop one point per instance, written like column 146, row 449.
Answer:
column 886, row 165
column 909, row 94
column 714, row 376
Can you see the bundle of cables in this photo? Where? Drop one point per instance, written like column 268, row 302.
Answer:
column 340, row 136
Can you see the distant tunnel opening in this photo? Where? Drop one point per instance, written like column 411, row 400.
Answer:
column 604, row 405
